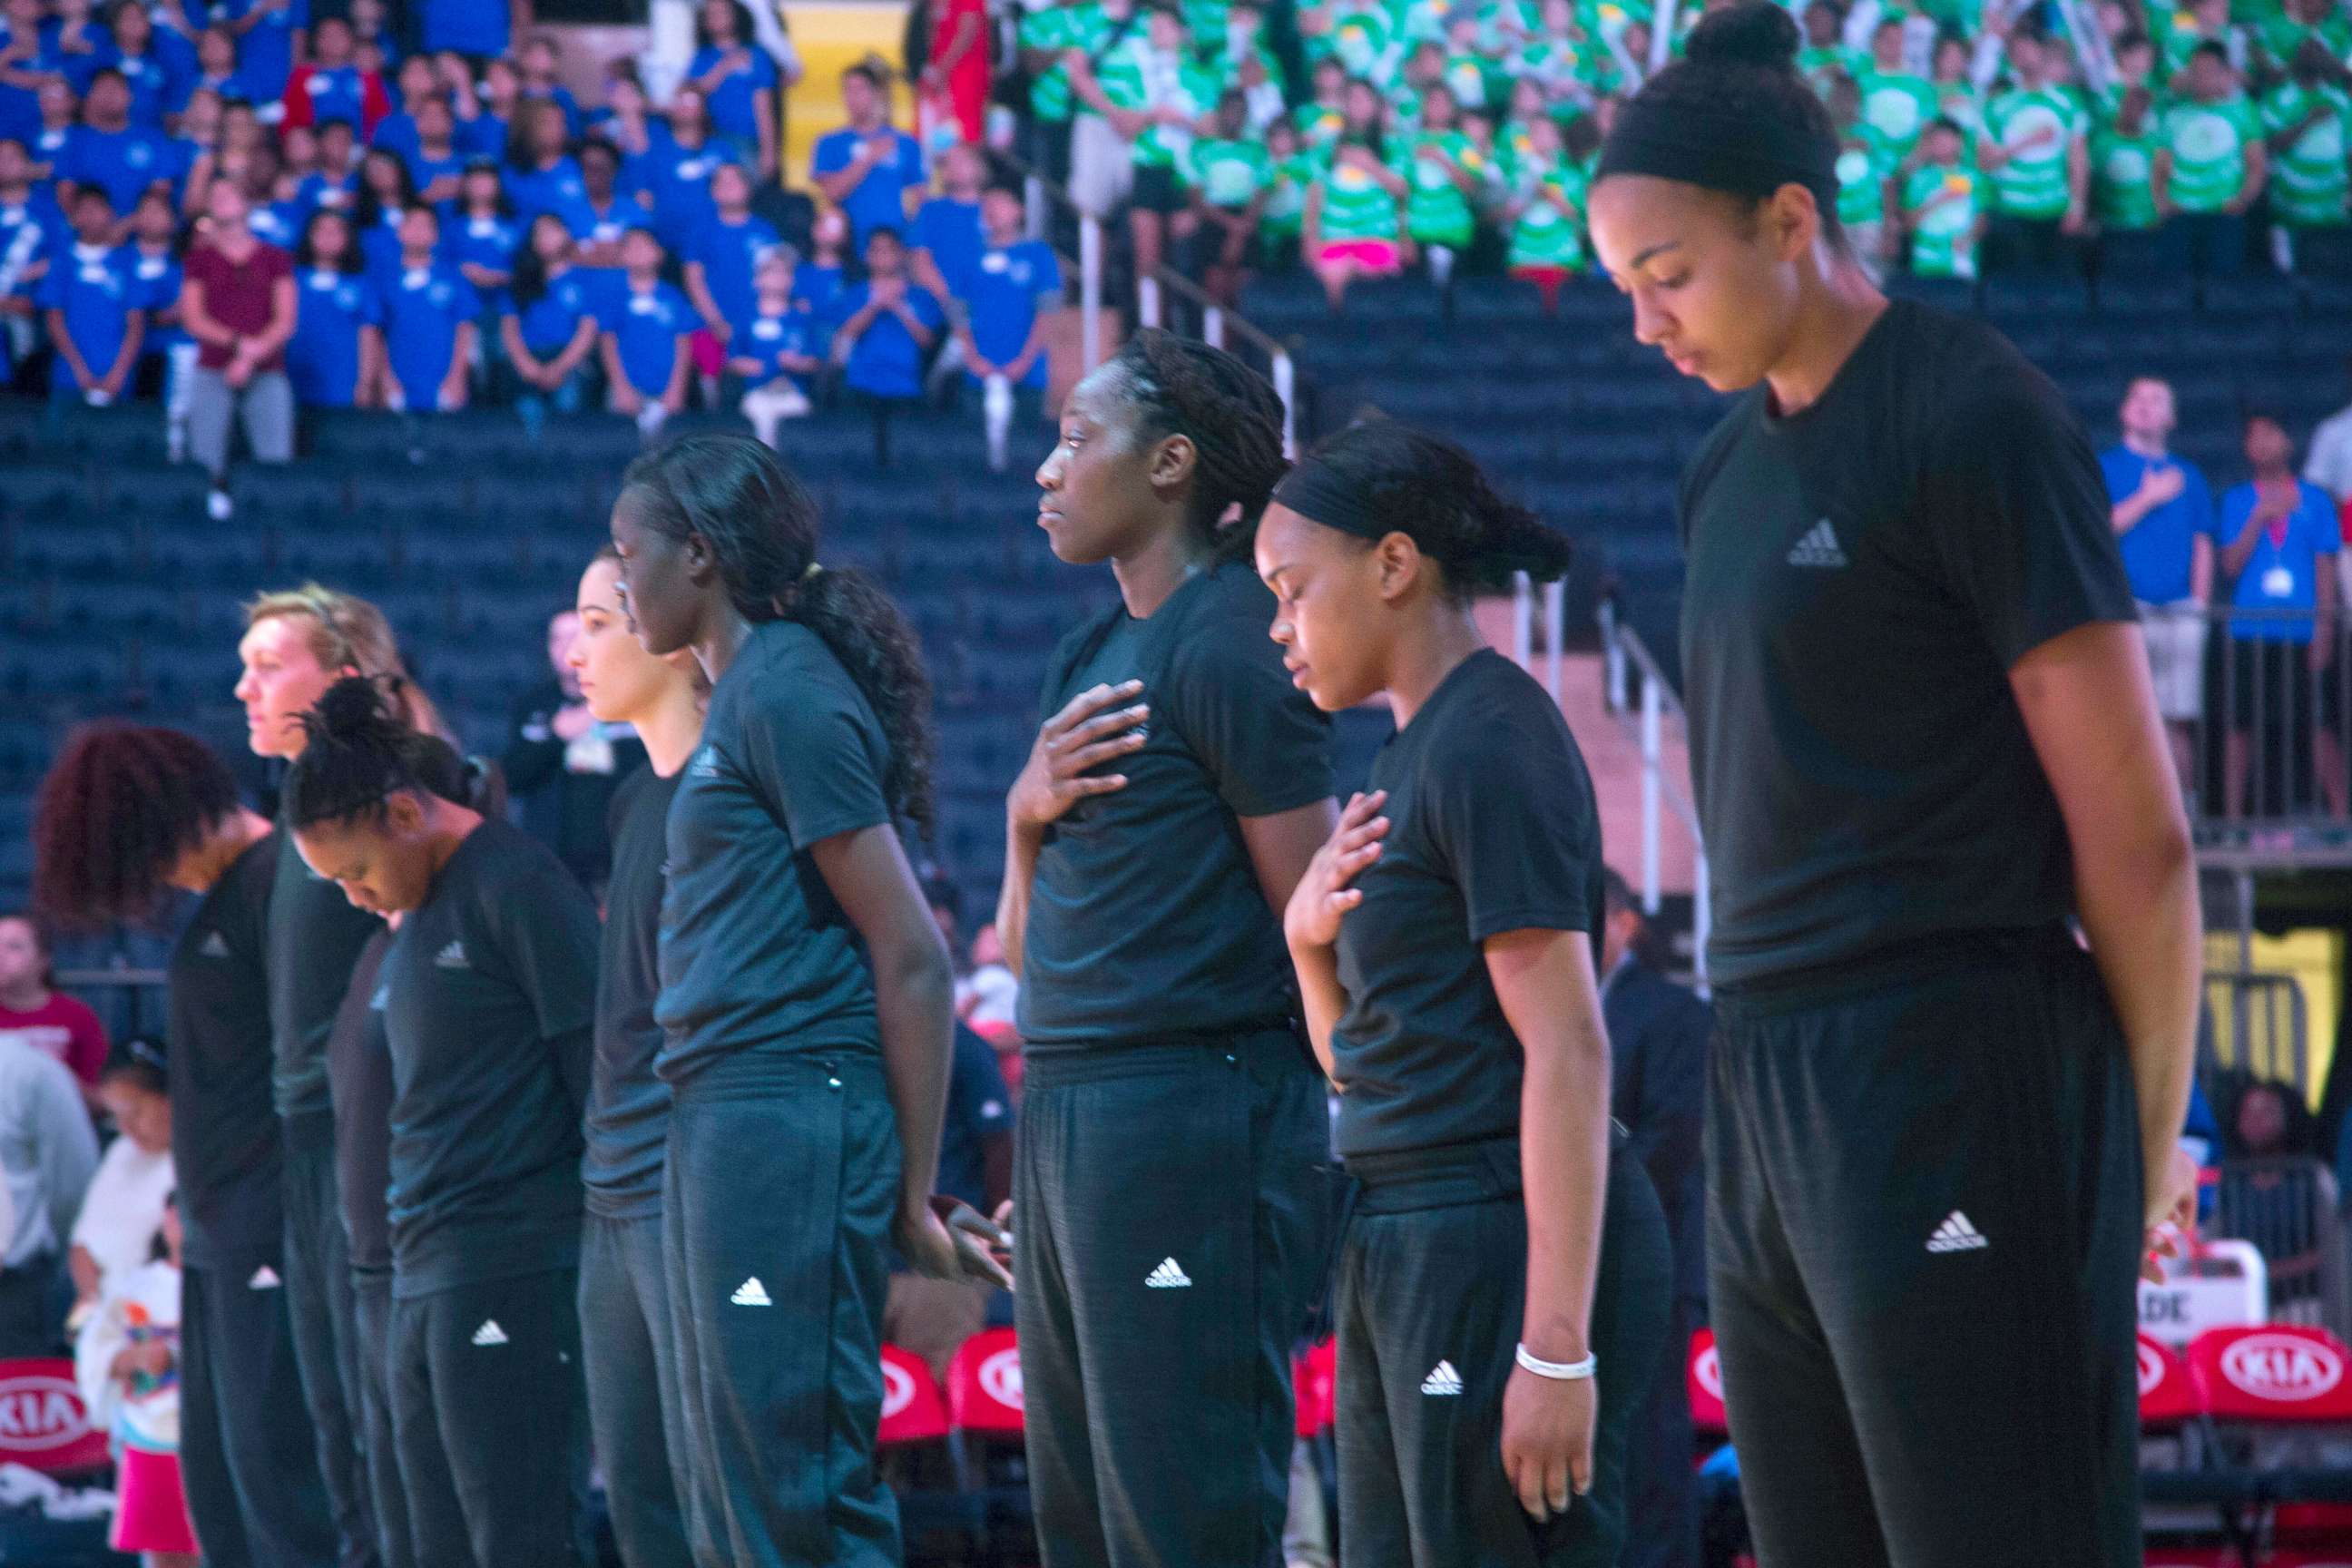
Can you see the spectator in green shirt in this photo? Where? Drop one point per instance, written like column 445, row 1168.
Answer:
column 1866, row 161
column 2203, row 22
column 2130, row 166
column 1957, row 98
column 2282, row 37
column 1897, row 104
column 2036, row 147
column 2308, row 121
column 1294, row 167
column 1825, row 49
column 1353, row 227
column 1942, row 208
column 1321, row 118
column 1230, row 174
column 1446, row 174
column 1047, row 34
column 2219, row 164
column 1547, row 214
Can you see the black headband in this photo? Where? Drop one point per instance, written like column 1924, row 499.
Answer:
column 1317, row 492
column 1739, row 154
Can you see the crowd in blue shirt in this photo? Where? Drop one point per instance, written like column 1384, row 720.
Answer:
column 463, row 229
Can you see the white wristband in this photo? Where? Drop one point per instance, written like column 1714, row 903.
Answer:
column 1559, row 1371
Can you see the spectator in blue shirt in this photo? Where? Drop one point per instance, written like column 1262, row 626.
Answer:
column 59, row 109
column 889, row 324
column 489, row 132
column 31, row 227
column 429, row 311
column 609, row 213
column 414, row 83
column 335, row 357
column 1014, row 282
column 335, row 183
column 216, row 68
column 645, row 354
column 386, row 193
column 775, row 348
column 868, row 167
column 819, row 281
column 726, row 252
column 155, row 267
column 270, row 36
column 549, row 326
column 946, row 236
column 541, row 175
column 484, row 242
column 108, row 151
column 75, row 42
column 151, row 74
column 2163, row 517
column 540, row 64
column 737, row 80
column 435, row 163
column 481, row 29
column 2279, row 542
column 93, row 308
column 681, row 154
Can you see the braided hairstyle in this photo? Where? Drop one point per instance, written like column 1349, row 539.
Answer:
column 1177, row 386
column 760, row 523
column 358, row 755
column 119, row 807
column 1430, row 491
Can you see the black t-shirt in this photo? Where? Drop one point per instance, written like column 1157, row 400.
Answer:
column 1862, row 576
column 489, row 1005
column 1146, row 915
column 755, row 950
column 226, row 1147
column 979, row 1108
column 565, row 810
column 1492, row 829
column 628, row 1107
column 359, row 1065
column 315, row 937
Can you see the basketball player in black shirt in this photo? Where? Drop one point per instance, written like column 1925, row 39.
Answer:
column 1165, row 1176
column 1503, row 1279
column 1943, row 1136
column 125, row 814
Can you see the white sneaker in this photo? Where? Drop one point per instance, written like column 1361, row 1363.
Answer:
column 218, row 507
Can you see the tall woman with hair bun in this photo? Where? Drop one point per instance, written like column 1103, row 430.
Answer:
column 1929, row 768
column 296, row 642
column 126, row 815
column 805, row 1003
column 488, row 998
column 1165, row 1179
column 1502, row 1280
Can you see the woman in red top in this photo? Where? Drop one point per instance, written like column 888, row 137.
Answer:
column 955, row 81
column 32, row 1013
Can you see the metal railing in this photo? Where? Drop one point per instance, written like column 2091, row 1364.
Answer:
column 2260, row 710
column 1629, row 669
column 136, row 992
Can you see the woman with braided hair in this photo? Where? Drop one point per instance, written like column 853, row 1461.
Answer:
column 1165, row 1178
column 126, row 815
column 806, row 1004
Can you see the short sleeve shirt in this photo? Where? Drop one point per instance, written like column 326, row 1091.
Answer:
column 238, row 295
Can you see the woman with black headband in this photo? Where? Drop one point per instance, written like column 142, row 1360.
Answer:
column 126, row 815
column 807, row 1002
column 1942, row 1135
column 1502, row 1280
column 488, row 990
column 1165, row 1177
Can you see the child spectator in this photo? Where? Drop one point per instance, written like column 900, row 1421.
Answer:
column 122, row 1214
column 946, row 236
column 385, row 195
column 153, row 79
column 155, row 250
column 1863, row 164
column 2036, row 150
column 127, row 1364
column 107, row 152
column 1546, row 240
column 646, row 355
column 1351, row 226
column 720, row 261
column 1447, row 175
column 676, row 169
column 1321, row 119
column 270, row 36
column 334, row 359
column 1293, row 169
column 1895, row 103
column 216, row 70
column 738, row 82
column 93, row 308
column 541, row 175
column 819, row 281
column 2219, row 162
column 34, row 1013
column 490, row 133
column 415, row 82
column 1957, row 98
column 612, row 212
column 429, row 313
column 775, row 349
column 1941, row 210
column 329, row 86
column 624, row 121
column 59, row 111
column 2163, row 518
column 483, row 243
column 1014, row 281
column 889, row 325
column 1105, row 54
column 548, row 327
column 1048, row 32
column 237, row 301
column 541, row 82
column 335, row 183
column 953, row 92
column 2309, row 117
column 868, row 165
column 1232, row 177
column 436, row 167
column 1155, row 95
column 2129, row 161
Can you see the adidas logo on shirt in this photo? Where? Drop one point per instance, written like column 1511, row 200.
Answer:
column 214, row 946
column 451, row 957
column 706, row 765
column 264, row 1278
column 751, row 1293
column 1168, row 1277
column 489, row 1334
column 1442, row 1382
column 1956, row 1235
column 1818, row 548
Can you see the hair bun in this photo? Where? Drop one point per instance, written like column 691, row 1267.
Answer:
column 1754, row 33
column 356, row 705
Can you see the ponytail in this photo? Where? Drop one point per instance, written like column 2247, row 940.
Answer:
column 760, row 524
column 1232, row 416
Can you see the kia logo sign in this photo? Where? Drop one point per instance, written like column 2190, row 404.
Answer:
column 2151, row 1369
column 898, row 1390
column 38, row 1414
column 1709, row 1369
column 2282, row 1366
column 1000, row 1378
